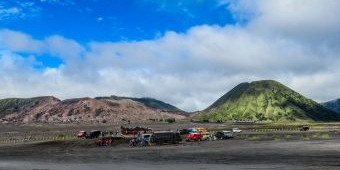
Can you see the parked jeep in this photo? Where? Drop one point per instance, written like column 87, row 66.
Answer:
column 184, row 131
column 206, row 136
column 104, row 141
column 81, row 134
column 237, row 130
column 304, row 128
column 224, row 134
column 93, row 134
column 194, row 137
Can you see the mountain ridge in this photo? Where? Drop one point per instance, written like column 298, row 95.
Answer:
column 53, row 110
column 265, row 100
column 332, row 105
column 148, row 101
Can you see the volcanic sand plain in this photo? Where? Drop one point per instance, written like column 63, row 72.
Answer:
column 316, row 149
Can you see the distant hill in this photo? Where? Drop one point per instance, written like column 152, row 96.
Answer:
column 52, row 110
column 333, row 105
column 21, row 105
column 149, row 102
column 265, row 100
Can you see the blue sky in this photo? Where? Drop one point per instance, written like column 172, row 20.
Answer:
column 103, row 20
column 184, row 52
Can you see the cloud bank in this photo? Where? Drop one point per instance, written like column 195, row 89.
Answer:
column 294, row 42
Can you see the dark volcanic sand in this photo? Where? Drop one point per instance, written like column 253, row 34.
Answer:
column 227, row 154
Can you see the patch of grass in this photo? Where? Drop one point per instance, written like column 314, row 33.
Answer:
column 276, row 137
column 325, row 136
column 254, row 137
column 305, row 137
column 61, row 136
column 288, row 136
column 320, row 135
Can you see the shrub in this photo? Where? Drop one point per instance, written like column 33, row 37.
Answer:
column 170, row 120
column 205, row 120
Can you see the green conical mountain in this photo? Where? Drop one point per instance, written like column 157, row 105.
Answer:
column 266, row 100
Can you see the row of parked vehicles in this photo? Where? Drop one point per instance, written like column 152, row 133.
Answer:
column 198, row 134
column 161, row 137
column 90, row 135
column 158, row 137
column 104, row 140
column 208, row 136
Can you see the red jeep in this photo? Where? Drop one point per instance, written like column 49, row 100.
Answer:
column 104, row 141
column 81, row 134
column 194, row 137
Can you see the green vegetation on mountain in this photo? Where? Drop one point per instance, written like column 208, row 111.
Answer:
column 266, row 100
column 149, row 102
column 332, row 105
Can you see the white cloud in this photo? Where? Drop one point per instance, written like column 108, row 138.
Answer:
column 64, row 48
column 18, row 10
column 59, row 2
column 294, row 42
column 302, row 20
column 5, row 13
column 18, row 42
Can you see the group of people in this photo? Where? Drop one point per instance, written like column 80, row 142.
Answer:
column 140, row 141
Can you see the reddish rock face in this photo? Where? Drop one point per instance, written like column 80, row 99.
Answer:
column 52, row 110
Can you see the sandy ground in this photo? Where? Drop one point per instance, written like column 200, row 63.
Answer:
column 250, row 151
column 226, row 154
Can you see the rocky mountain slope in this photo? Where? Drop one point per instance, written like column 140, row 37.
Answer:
column 52, row 110
column 333, row 105
column 266, row 100
column 149, row 102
